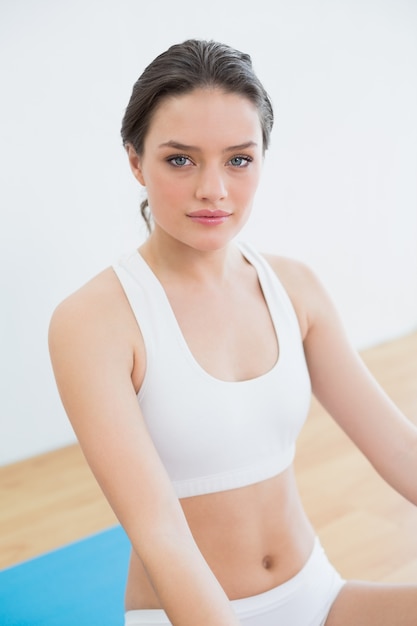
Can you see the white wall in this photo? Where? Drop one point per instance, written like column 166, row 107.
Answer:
column 339, row 190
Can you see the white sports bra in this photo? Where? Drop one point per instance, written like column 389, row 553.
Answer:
column 214, row 435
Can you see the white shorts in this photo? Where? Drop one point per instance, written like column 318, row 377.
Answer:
column 304, row 600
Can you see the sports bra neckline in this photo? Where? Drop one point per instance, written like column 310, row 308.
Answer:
column 163, row 297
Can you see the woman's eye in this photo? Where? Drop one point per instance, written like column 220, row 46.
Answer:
column 240, row 161
column 179, row 161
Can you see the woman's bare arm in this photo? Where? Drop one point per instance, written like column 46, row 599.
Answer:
column 345, row 387
column 93, row 356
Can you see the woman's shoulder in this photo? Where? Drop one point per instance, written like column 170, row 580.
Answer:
column 94, row 328
column 95, row 300
column 96, row 314
column 288, row 269
column 302, row 286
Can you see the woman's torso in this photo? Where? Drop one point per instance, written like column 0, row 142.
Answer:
column 256, row 536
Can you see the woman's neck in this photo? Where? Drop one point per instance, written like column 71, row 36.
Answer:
column 171, row 259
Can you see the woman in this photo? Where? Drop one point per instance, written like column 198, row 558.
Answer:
column 186, row 371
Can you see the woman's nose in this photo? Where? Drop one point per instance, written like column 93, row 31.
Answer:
column 211, row 185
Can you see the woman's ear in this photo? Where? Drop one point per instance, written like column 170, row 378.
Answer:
column 135, row 164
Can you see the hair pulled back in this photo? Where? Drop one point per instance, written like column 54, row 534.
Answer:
column 181, row 69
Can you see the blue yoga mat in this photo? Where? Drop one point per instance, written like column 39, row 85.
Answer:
column 81, row 584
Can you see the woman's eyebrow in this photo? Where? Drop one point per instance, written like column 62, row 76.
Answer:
column 241, row 146
column 178, row 146
column 181, row 146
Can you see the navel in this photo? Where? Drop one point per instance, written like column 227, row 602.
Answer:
column 267, row 562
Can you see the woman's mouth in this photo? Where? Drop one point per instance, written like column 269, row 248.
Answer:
column 210, row 218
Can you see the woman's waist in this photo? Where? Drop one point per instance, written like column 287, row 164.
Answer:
column 253, row 539
column 243, row 570
column 249, row 566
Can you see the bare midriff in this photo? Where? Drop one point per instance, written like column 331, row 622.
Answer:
column 253, row 538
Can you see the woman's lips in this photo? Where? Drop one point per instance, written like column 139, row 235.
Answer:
column 211, row 218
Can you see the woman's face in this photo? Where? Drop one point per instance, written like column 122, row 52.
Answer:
column 201, row 165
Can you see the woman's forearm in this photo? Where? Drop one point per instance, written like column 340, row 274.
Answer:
column 187, row 589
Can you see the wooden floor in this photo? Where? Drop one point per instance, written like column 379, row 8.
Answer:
column 368, row 530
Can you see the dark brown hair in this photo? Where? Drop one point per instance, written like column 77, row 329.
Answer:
column 181, row 69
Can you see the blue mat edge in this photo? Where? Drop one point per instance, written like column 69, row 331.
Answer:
column 65, row 546
column 80, row 583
